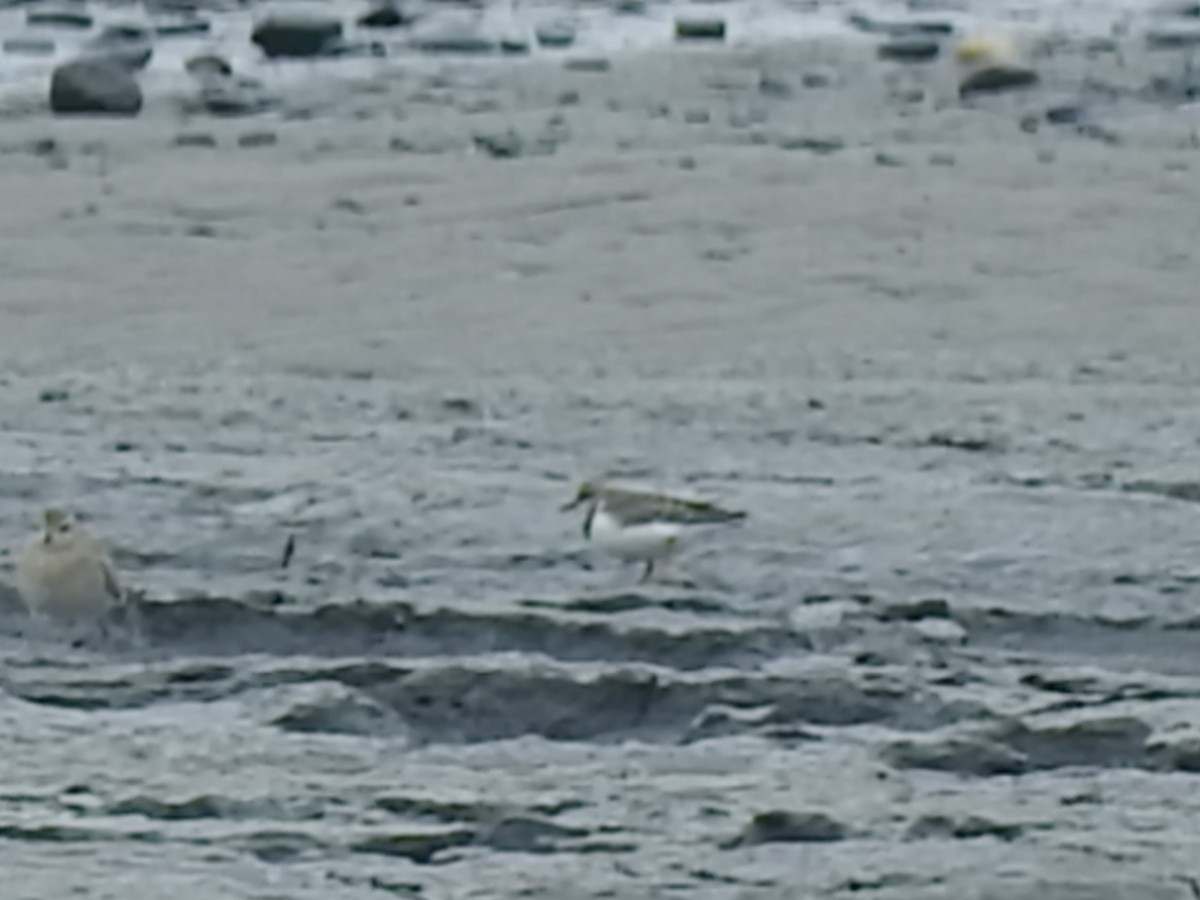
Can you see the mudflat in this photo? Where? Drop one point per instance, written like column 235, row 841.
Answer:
column 941, row 350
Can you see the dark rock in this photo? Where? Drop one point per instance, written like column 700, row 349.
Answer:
column 963, row 755
column 700, row 29
column 994, row 79
column 818, row 78
column 1175, row 752
column 1186, row 9
column 770, row 86
column 514, row 46
column 59, row 18
column 914, row 610
column 193, row 139
column 938, row 826
column 329, row 708
column 95, row 86
column 555, row 36
column 185, row 28
column 510, row 145
column 28, row 47
column 1173, row 37
column 591, row 64
column 284, row 36
column 818, row 145
column 127, row 45
column 258, row 139
column 909, row 49
column 1065, row 114
column 418, row 845
column 208, row 66
column 863, row 22
column 459, row 37
column 630, row 7
column 1107, row 741
column 778, row 826
column 386, row 15
column 231, row 97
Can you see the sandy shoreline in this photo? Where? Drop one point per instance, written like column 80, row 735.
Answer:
column 943, row 352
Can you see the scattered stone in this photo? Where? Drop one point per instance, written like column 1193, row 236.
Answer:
column 332, row 708
column 195, row 139
column 818, row 145
column 208, row 66
column 588, row 64
column 94, row 86
column 28, row 47
column 555, row 36
column 509, row 144
column 964, row 755
column 993, row 79
column 229, row 97
column 459, row 37
column 696, row 116
column 1065, row 114
column 127, row 45
column 419, row 844
column 699, row 29
column 1173, row 37
column 1177, row 751
column 939, row 826
column 386, row 15
column 770, row 86
column 1185, row 9
column 253, row 139
column 514, row 46
column 909, row 50
column 865, row 23
column 185, row 28
column 778, row 826
column 915, row 610
column 818, row 78
column 59, row 18
column 630, row 7
column 296, row 36
column 888, row 160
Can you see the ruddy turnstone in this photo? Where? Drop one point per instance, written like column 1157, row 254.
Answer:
column 65, row 575
column 642, row 527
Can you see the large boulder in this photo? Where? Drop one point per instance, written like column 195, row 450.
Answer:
column 288, row 35
column 94, row 85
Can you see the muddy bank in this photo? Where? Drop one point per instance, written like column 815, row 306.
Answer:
column 940, row 350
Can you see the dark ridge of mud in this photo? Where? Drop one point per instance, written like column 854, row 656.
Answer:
column 1142, row 643
column 223, row 627
column 459, row 702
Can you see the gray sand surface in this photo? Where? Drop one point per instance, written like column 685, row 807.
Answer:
column 947, row 362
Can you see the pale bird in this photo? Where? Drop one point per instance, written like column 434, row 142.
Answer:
column 65, row 575
column 643, row 527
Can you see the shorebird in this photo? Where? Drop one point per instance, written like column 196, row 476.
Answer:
column 65, row 575
column 643, row 527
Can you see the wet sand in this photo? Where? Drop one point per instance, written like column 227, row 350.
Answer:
column 942, row 352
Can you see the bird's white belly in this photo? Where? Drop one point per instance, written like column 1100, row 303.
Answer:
column 67, row 597
column 653, row 540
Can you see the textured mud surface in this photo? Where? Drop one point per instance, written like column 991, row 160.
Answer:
column 954, row 651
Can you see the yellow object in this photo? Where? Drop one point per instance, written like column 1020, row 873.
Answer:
column 985, row 51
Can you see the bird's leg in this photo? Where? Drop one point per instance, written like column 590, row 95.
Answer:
column 648, row 572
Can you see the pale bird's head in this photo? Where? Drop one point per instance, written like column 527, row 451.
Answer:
column 587, row 492
column 985, row 50
column 58, row 526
